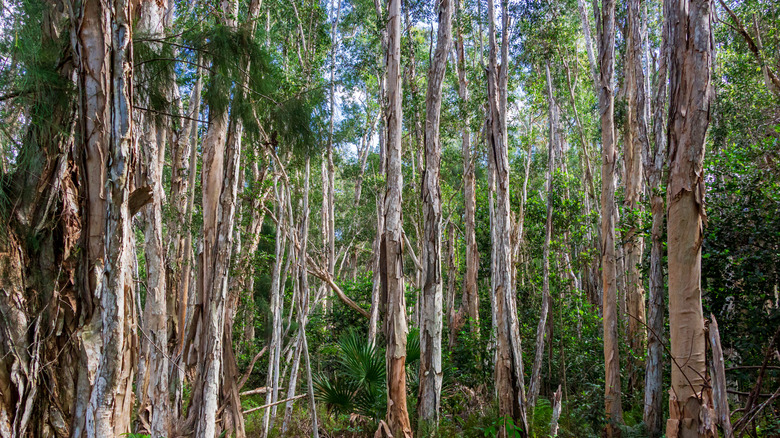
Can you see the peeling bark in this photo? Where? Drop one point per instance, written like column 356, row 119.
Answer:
column 391, row 248
column 431, row 297
column 470, row 300
column 654, row 164
column 153, row 415
column 689, row 117
column 108, row 341
column 637, row 143
column 510, row 388
column 612, row 395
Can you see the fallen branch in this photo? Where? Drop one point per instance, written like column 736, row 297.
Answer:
column 249, row 411
column 260, row 390
column 745, row 393
column 411, row 253
column 324, row 276
column 249, row 370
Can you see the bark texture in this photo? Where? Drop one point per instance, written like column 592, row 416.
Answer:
column 655, row 160
column 431, row 313
column 108, row 341
column 46, row 279
column 391, row 249
column 612, row 394
column 510, row 388
column 690, row 404
column 470, row 300
column 637, row 142
column 153, row 415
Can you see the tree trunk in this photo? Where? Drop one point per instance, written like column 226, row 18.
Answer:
column 391, row 249
column 153, row 415
column 109, row 344
column 509, row 384
column 431, row 300
column 453, row 314
column 278, row 278
column 552, row 147
column 588, row 43
column 654, row 165
column 470, row 295
column 633, row 240
column 689, row 118
column 46, row 196
column 180, row 259
column 303, row 295
column 612, row 395
column 376, row 259
column 328, row 171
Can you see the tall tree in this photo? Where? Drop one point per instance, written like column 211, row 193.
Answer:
column 109, row 344
column 655, row 160
column 510, row 388
column 470, row 302
column 553, row 145
column 612, row 397
column 690, row 91
column 391, row 248
column 221, row 170
column 153, row 369
column 431, row 300
column 637, row 143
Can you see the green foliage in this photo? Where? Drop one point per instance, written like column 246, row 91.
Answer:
column 358, row 384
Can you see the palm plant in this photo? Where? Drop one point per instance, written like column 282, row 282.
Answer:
column 358, row 384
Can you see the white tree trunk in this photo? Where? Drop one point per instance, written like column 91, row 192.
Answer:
column 431, row 296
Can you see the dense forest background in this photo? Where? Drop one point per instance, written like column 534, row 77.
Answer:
column 414, row 218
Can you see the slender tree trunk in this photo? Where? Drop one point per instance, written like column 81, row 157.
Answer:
column 588, row 42
column 633, row 240
column 654, row 164
column 552, row 147
column 376, row 259
column 391, row 249
column 179, row 254
column 689, row 118
column 303, row 295
column 470, row 295
column 453, row 313
column 328, row 170
column 431, row 298
column 590, row 282
column 277, row 285
column 509, row 384
column 612, row 395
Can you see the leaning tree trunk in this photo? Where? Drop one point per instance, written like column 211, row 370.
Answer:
column 431, row 300
column 510, row 389
column 654, row 165
column 633, row 241
column 690, row 403
column 391, row 248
